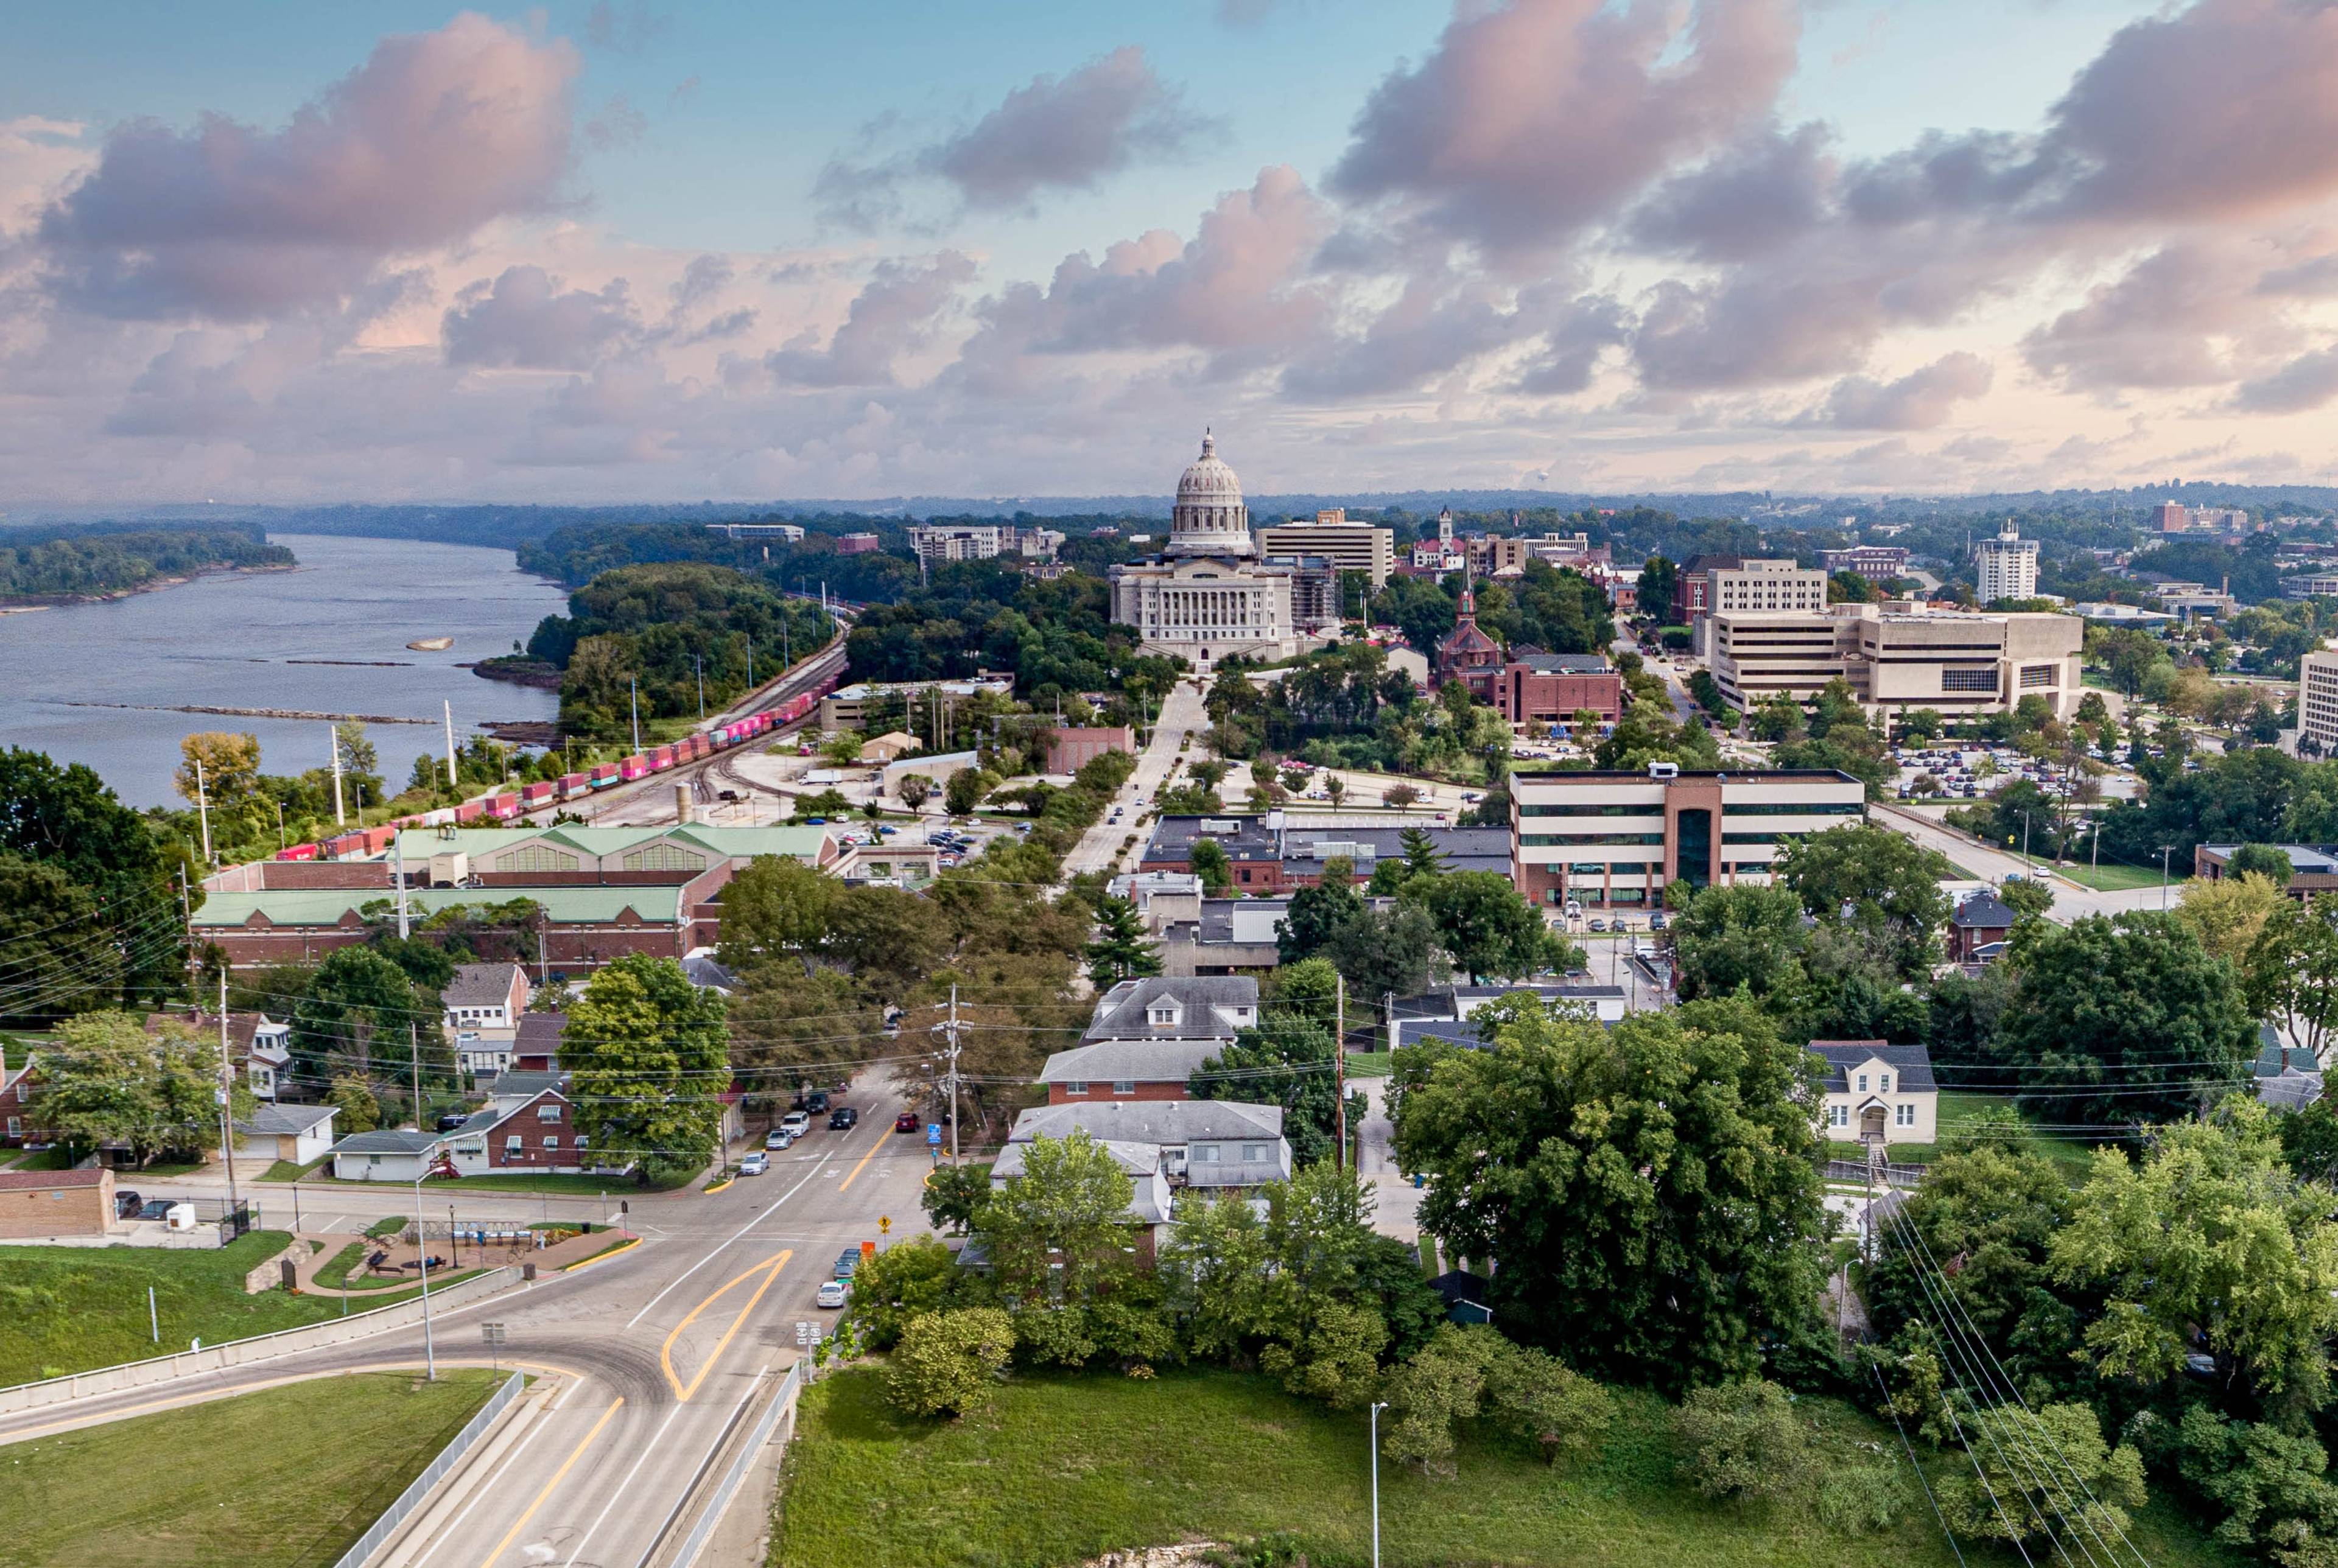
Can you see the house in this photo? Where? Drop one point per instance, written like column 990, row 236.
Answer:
column 39, row 1204
column 259, row 1047
column 1982, row 921
column 2288, row 1077
column 19, row 1086
column 1125, row 1070
column 891, row 747
column 536, row 1047
column 1163, row 1010
column 1877, row 1093
column 529, row 1125
column 1465, row 1296
column 485, row 1003
column 295, row 1135
column 1151, row 1195
column 1447, row 1012
column 387, row 1154
column 1210, row 1145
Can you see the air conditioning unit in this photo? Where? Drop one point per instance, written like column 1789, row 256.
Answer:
column 1663, row 770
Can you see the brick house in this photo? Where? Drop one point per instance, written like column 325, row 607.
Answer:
column 19, row 1092
column 1115, row 1070
column 1552, row 688
column 536, row 1047
column 529, row 1125
column 1982, row 920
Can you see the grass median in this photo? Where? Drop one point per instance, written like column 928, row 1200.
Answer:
column 1062, row 1469
column 309, row 1466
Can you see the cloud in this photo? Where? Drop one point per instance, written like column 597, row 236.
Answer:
column 1532, row 122
column 894, row 315
column 2161, row 324
column 435, row 135
column 1052, row 134
column 616, row 125
column 2308, row 381
column 523, row 320
column 624, row 30
column 1750, row 199
column 1920, row 400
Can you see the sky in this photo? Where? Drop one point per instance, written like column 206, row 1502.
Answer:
column 612, row 251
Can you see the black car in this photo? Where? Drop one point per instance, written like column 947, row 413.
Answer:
column 452, row 1119
column 815, row 1103
column 155, row 1209
column 842, row 1119
column 126, row 1204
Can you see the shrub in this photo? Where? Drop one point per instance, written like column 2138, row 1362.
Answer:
column 947, row 1362
column 899, row 1284
column 1742, row 1441
column 1861, row 1499
column 1476, row 1375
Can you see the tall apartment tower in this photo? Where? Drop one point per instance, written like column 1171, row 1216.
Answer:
column 2007, row 565
column 2317, row 702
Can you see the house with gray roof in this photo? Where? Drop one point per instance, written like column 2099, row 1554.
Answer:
column 1166, row 1009
column 387, row 1154
column 296, row 1134
column 1876, row 1092
column 485, row 1003
column 1125, row 1070
column 1214, row 1145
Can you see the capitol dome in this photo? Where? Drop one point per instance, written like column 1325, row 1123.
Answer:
column 1210, row 518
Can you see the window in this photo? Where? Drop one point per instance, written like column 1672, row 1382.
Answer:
column 511, row 1145
column 1883, row 1083
column 1077, row 1086
column 548, row 1112
column 581, row 1142
column 1905, row 1115
column 1253, row 1152
column 1124, row 1085
column 663, row 858
column 1206, row 1154
column 1841, row 1115
column 2037, row 675
column 1163, row 1017
column 537, row 858
column 16, row 1127
column 1968, row 681
column 551, row 1141
column 1862, row 1083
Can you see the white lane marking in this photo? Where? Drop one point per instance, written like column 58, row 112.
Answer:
column 543, row 1420
column 742, row 1229
column 618, row 1491
column 721, row 1436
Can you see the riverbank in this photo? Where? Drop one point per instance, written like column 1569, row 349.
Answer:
column 25, row 603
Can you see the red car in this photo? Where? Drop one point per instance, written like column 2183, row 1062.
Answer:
column 907, row 1122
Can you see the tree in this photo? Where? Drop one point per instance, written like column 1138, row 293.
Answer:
column 841, row 749
column 57, row 954
column 2267, row 860
column 1120, row 951
column 1474, row 1375
column 1286, row 1060
column 1647, row 1191
column 1403, row 797
column 1742, row 1442
column 360, row 1110
column 1388, row 952
column 947, row 1363
column 1336, row 788
column 2210, row 1240
column 1065, row 1214
column 2293, row 966
column 2087, row 1488
column 965, row 790
column 953, row 1194
column 900, row 1283
column 1208, row 859
column 2228, row 913
column 1485, row 924
column 111, row 1081
column 916, row 790
column 1317, row 914
column 1738, row 936
column 2127, row 1019
column 360, row 1017
column 229, row 766
column 2026, row 896
column 1881, row 882
column 647, row 1056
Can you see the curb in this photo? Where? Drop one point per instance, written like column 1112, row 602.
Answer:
column 718, row 1186
column 626, row 1246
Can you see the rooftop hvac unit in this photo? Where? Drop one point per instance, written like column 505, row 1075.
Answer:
column 1663, row 770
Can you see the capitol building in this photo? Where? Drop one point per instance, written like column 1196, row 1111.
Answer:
column 1210, row 594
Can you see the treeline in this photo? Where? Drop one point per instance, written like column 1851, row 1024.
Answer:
column 577, row 554
column 1558, row 611
column 682, row 636
column 1055, row 637
column 81, row 563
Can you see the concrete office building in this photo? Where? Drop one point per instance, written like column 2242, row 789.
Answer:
column 1346, row 546
column 1615, row 840
column 1876, row 562
column 1896, row 657
column 2317, row 702
column 1759, row 584
column 958, row 541
column 2007, row 566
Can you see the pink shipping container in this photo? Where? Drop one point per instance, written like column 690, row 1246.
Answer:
column 297, row 852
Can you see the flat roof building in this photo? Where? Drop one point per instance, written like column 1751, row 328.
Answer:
column 2317, row 702
column 2007, row 566
column 1897, row 657
column 1617, row 840
column 1346, row 546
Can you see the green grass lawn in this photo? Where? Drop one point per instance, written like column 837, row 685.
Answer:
column 286, row 1171
column 1370, row 1064
column 296, row 1474
column 70, row 1308
column 2114, row 878
column 43, row 1160
column 1063, row 1469
column 2073, row 1156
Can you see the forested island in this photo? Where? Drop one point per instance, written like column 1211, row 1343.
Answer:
column 68, row 566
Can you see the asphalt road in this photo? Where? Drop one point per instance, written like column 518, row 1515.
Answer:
column 647, row 1359
column 1183, row 715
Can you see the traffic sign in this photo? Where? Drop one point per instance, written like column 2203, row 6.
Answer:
column 934, row 1135
column 884, row 1224
column 491, row 1333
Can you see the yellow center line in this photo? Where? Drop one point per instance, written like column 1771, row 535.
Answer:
column 769, row 1269
column 841, row 1186
column 558, row 1476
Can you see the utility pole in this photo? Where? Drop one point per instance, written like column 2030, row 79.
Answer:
column 187, row 915
column 204, row 809
column 950, row 1029
column 699, row 665
column 1340, row 1063
column 226, row 1097
column 413, row 1050
column 750, row 658
column 633, row 695
column 398, row 853
column 2165, row 851
column 448, row 708
column 422, row 1247
column 339, row 820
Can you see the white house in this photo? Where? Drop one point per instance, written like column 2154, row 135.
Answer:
column 1877, row 1091
column 386, row 1154
column 1166, row 1007
column 484, row 1004
column 295, row 1133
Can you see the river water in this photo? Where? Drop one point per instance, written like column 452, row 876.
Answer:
column 251, row 640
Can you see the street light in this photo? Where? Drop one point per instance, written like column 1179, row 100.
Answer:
column 1378, row 1406
column 2165, row 851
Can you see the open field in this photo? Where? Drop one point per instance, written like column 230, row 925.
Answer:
column 70, row 1308
column 1063, row 1468
column 287, row 1477
column 2115, row 877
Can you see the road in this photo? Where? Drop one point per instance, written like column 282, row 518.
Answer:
column 2070, row 900
column 1183, row 717
column 647, row 1359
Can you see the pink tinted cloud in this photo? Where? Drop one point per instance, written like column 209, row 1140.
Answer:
column 525, row 320
column 434, row 136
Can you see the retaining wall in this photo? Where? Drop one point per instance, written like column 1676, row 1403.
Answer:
column 258, row 1347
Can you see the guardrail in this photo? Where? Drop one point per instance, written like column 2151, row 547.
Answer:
column 258, row 1348
column 1902, row 1176
column 790, row 1387
column 432, row 1474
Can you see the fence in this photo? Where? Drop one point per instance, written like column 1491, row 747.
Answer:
column 790, row 1387
column 257, row 1347
column 1902, row 1176
column 411, row 1498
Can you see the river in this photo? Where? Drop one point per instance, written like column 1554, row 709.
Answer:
column 254, row 640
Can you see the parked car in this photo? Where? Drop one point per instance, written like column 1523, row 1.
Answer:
column 796, row 1123
column 452, row 1119
column 847, row 1262
column 1598, row 924
column 832, row 1293
column 126, row 1204
column 813, row 1103
column 843, row 1119
column 778, row 1138
column 908, row 1122
column 156, row 1208
column 1656, row 921
column 755, row 1164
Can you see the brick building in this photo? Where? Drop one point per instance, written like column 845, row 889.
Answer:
column 1467, row 654
column 37, row 1204
column 1552, row 688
